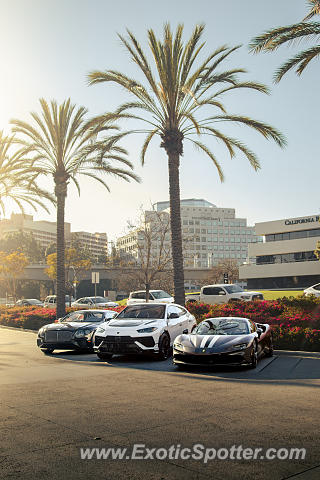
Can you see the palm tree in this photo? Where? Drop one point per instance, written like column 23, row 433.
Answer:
column 18, row 178
column 179, row 87
column 64, row 147
column 304, row 30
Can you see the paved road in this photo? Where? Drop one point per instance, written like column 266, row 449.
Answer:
column 53, row 405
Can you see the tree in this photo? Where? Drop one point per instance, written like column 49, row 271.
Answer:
column 18, row 178
column 64, row 147
column 151, row 256
column 229, row 266
column 23, row 242
column 12, row 265
column 179, row 86
column 304, row 30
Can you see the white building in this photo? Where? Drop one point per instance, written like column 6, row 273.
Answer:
column 210, row 234
column 45, row 233
column 286, row 257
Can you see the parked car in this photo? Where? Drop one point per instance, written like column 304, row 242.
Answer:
column 224, row 341
column 74, row 331
column 143, row 328
column 51, row 301
column 93, row 301
column 155, row 296
column 223, row 293
column 313, row 290
column 30, row 301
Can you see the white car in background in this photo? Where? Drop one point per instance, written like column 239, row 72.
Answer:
column 89, row 302
column 143, row 328
column 155, row 296
column 313, row 290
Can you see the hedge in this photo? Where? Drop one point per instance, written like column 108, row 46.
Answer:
column 32, row 318
column 295, row 322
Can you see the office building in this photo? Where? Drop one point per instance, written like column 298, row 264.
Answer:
column 286, row 257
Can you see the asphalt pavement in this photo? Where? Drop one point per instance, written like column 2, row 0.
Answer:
column 54, row 405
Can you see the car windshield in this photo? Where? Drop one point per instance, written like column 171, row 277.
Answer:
column 99, row 299
column 233, row 288
column 222, row 326
column 143, row 311
column 160, row 294
column 83, row 317
column 34, row 301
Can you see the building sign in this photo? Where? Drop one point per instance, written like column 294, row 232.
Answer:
column 302, row 220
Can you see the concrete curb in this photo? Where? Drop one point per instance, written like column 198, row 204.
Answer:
column 19, row 329
column 297, row 353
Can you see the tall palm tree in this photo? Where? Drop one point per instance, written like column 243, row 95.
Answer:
column 304, row 30
column 18, row 177
column 64, row 147
column 179, row 86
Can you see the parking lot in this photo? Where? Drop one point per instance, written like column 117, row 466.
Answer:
column 52, row 405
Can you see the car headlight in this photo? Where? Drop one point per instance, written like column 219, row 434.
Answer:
column 100, row 330
column 240, row 346
column 178, row 346
column 82, row 333
column 147, row 330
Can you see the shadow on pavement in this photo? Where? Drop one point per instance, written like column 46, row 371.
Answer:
column 279, row 367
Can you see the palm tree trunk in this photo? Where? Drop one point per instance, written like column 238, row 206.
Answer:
column 61, row 305
column 175, row 223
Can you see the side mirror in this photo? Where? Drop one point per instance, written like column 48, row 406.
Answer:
column 173, row 315
column 185, row 332
column 222, row 292
column 259, row 332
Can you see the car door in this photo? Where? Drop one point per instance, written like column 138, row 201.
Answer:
column 174, row 322
column 213, row 295
column 261, row 337
column 186, row 320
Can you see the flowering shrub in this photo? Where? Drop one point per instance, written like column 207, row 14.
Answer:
column 295, row 321
column 33, row 318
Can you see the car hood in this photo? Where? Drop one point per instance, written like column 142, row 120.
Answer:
column 127, row 326
column 212, row 343
column 70, row 325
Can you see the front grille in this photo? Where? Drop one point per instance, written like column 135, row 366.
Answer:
column 98, row 340
column 146, row 341
column 117, row 344
column 120, row 347
column 215, row 359
column 118, row 339
column 57, row 336
column 257, row 297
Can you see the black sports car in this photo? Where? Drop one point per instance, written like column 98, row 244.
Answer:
column 224, row 341
column 74, row 331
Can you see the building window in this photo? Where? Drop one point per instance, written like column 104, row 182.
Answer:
column 315, row 232
column 286, row 258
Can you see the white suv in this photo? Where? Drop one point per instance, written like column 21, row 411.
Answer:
column 51, row 301
column 313, row 290
column 158, row 296
column 142, row 328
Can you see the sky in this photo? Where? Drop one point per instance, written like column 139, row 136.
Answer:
column 49, row 47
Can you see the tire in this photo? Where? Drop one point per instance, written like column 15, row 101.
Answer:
column 47, row 351
column 254, row 357
column 269, row 353
column 164, row 347
column 104, row 356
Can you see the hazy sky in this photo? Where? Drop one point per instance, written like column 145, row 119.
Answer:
column 48, row 48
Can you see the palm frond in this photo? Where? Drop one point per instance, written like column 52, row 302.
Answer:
column 205, row 149
column 301, row 60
